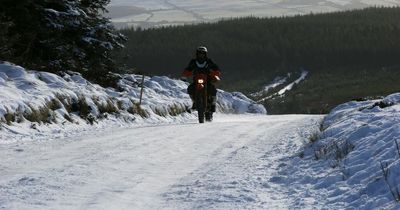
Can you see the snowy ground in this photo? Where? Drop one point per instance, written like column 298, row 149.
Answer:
column 152, row 13
column 354, row 163
column 229, row 164
column 166, row 160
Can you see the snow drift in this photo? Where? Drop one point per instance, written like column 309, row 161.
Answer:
column 363, row 140
column 353, row 162
column 42, row 100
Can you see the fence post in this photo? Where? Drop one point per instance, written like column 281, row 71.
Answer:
column 141, row 91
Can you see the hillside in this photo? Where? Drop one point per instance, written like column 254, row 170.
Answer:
column 156, row 13
column 348, row 55
column 43, row 105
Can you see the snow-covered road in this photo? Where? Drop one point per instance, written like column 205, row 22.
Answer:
column 228, row 164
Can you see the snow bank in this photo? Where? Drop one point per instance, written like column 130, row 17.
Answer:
column 237, row 103
column 354, row 162
column 44, row 101
column 365, row 137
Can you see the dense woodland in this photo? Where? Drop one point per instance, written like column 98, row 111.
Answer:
column 337, row 48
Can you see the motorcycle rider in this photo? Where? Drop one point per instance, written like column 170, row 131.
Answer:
column 205, row 65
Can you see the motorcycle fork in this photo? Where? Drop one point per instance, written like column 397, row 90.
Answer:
column 206, row 97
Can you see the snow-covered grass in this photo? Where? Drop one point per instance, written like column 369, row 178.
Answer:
column 354, row 161
column 34, row 104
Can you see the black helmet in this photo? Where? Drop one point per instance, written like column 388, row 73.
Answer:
column 202, row 49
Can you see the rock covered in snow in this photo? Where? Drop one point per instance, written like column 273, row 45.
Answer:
column 238, row 103
column 392, row 99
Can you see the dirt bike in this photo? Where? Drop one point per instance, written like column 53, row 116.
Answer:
column 202, row 100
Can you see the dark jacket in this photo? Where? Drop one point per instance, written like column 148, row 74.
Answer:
column 207, row 67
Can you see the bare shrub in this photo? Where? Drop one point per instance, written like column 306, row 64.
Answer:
column 336, row 149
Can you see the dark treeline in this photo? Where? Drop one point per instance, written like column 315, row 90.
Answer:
column 252, row 51
column 253, row 46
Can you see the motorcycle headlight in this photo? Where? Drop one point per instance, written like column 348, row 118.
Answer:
column 200, row 81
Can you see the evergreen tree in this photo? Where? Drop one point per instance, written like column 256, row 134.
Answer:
column 60, row 35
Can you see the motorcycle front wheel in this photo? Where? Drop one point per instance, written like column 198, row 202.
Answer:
column 201, row 117
column 200, row 109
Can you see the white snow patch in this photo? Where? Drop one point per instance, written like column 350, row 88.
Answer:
column 275, row 83
column 290, row 86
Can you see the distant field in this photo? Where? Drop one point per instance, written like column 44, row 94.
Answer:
column 117, row 12
column 154, row 13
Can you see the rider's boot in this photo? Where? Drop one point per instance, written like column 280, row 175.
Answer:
column 209, row 116
column 213, row 103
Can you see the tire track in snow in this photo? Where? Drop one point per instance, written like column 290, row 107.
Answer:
column 245, row 178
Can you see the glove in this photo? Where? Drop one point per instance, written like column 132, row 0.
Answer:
column 215, row 79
